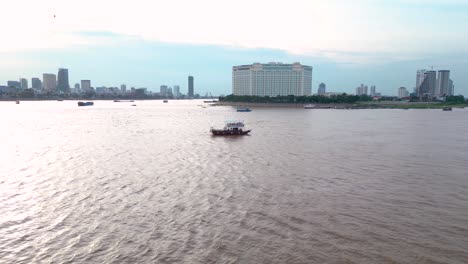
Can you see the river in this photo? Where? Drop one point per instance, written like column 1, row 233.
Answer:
column 115, row 183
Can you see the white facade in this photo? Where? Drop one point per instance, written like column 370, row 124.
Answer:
column 49, row 82
column 85, row 85
column 402, row 92
column 272, row 79
column 443, row 82
column 372, row 90
column 361, row 90
column 176, row 90
column 24, row 83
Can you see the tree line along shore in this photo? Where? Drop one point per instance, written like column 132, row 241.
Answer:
column 342, row 101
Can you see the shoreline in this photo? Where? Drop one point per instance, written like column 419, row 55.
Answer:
column 363, row 105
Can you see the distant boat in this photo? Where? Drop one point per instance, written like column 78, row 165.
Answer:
column 60, row 100
column 243, row 109
column 232, row 128
column 447, row 109
column 85, row 103
column 133, row 104
column 210, row 101
column 17, row 101
column 309, row 106
column 165, row 101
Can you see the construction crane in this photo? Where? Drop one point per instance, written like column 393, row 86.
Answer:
column 441, row 65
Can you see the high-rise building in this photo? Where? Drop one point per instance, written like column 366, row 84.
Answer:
column 190, row 86
column 123, row 88
column 24, row 83
column 372, row 90
column 85, row 86
column 451, row 88
column 420, row 75
column 443, row 82
column 402, row 92
column 361, row 90
column 14, row 84
column 169, row 91
column 62, row 81
column 176, row 90
column 426, row 82
column 49, row 81
column 322, row 89
column 272, row 79
column 36, row 83
column 163, row 90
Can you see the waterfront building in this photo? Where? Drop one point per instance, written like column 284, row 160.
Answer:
column 176, row 90
column 49, row 81
column 76, row 88
column 402, row 92
column 426, row 82
column 420, row 75
column 443, row 81
column 23, row 83
column 63, row 85
column 190, row 87
column 451, row 88
column 361, row 90
column 36, row 84
column 85, row 86
column 272, row 79
column 101, row 90
column 372, row 90
column 123, row 88
column 322, row 89
column 163, row 90
column 14, row 84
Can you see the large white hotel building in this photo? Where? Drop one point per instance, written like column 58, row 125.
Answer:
column 272, row 79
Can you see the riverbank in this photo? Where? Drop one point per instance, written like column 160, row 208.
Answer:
column 359, row 105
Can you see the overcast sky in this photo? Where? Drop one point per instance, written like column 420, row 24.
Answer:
column 146, row 43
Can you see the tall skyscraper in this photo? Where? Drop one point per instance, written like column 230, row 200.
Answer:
column 24, row 83
column 451, row 88
column 85, row 86
column 420, row 75
column 190, row 86
column 443, row 82
column 36, row 83
column 322, row 89
column 123, row 88
column 361, row 90
column 176, row 90
column 49, row 82
column 62, row 81
column 372, row 90
column 272, row 79
column 426, row 82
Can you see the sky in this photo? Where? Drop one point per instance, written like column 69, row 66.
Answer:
column 148, row 43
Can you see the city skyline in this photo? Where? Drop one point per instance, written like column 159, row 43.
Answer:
column 343, row 49
column 435, row 83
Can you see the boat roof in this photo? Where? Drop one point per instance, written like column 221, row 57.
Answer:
column 234, row 123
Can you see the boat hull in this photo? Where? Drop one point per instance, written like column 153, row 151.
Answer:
column 85, row 103
column 221, row 132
